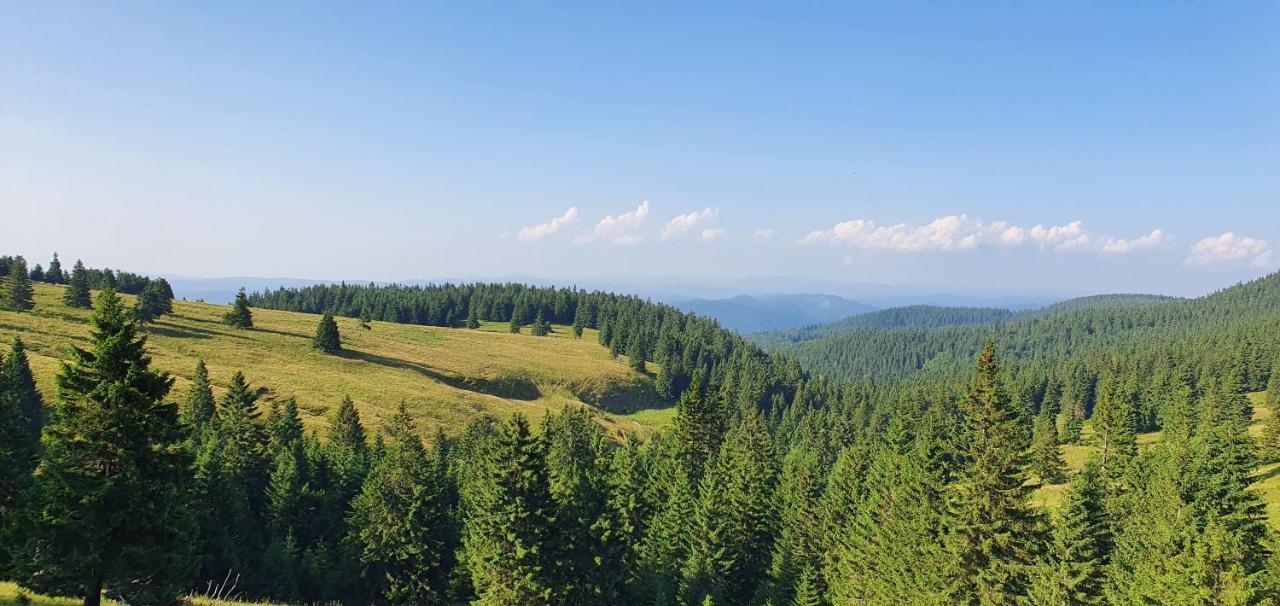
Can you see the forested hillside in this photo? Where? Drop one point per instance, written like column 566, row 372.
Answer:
column 1095, row 456
column 922, row 317
column 1244, row 317
column 749, row 314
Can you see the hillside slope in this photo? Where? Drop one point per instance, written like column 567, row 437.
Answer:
column 446, row 376
column 1239, row 314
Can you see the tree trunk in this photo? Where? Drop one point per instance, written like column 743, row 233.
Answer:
column 93, row 597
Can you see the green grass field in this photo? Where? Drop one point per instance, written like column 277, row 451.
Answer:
column 447, row 376
column 12, row 595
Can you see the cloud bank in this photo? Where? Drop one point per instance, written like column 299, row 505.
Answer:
column 619, row 227
column 1228, row 249
column 683, row 223
column 963, row 233
column 542, row 230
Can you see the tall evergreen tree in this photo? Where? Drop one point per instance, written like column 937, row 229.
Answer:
column 53, row 275
column 37, row 273
column 111, row 510
column 231, row 470
column 77, row 293
column 1114, row 425
column 541, row 327
column 400, row 521
column 995, row 532
column 699, row 426
column 239, row 316
column 797, row 552
column 16, row 378
column 473, row 318
column 1046, row 456
column 17, row 293
column 199, row 407
column 736, row 518
column 1074, row 567
column 511, row 520
column 327, row 338
column 19, row 449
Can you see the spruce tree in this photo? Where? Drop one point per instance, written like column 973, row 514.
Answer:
column 327, row 339
column 516, row 321
column 698, row 427
column 473, row 318
column 16, row 378
column 284, row 425
column 53, row 275
column 17, row 293
column 111, row 508
column 1046, row 456
column 893, row 547
column 400, row 522
column 37, row 273
column 19, row 449
column 995, row 533
column 347, row 451
column 1074, row 567
column 1114, row 425
column 239, row 316
column 581, row 316
column 541, row 327
column 153, row 302
column 736, row 518
column 797, row 552
column 199, row 407
column 636, row 354
column 231, row 474
column 511, row 519
column 587, row 563
column 77, row 293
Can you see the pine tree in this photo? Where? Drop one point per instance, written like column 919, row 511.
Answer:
column 111, row 507
column 1046, row 456
column 327, row 339
column 635, row 354
column 77, row 293
column 199, row 407
column 587, row 565
column 153, row 302
column 53, row 275
column 399, row 521
column 239, row 316
column 1114, row 425
column 37, row 273
column 347, row 451
column 664, row 548
column 698, row 427
column 736, row 518
column 511, row 520
column 995, row 532
column 517, row 320
column 17, row 293
column 798, row 549
column 19, row 450
column 893, row 545
column 581, row 316
column 284, row 425
column 473, row 318
column 540, row 326
column 16, row 378
column 231, row 473
column 1074, row 568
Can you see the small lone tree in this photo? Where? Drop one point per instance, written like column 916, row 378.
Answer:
column 473, row 320
column 327, row 338
column 77, row 294
column 365, row 319
column 37, row 273
column 17, row 294
column 155, row 301
column 516, row 321
column 239, row 316
column 53, row 275
column 540, row 326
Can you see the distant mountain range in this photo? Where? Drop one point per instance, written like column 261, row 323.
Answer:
column 747, row 314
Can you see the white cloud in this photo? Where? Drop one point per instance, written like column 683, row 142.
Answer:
column 963, row 233
column 1229, row 248
column 683, row 223
column 711, row 233
column 763, row 234
column 542, row 230
column 1122, row 246
column 618, row 227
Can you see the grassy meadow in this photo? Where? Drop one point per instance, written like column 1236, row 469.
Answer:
column 446, row 376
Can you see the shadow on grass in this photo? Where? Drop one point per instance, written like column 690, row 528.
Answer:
column 508, row 387
column 283, row 333
column 165, row 329
column 1263, row 477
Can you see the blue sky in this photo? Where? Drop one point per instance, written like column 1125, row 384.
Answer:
column 889, row 143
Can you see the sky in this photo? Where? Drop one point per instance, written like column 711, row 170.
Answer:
column 1002, row 147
